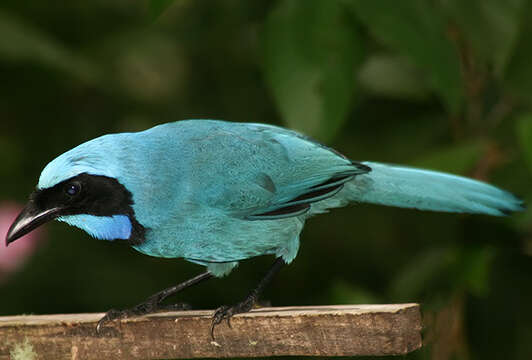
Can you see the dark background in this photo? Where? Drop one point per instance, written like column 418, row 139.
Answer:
column 440, row 84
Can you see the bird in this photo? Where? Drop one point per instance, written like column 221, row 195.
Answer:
column 215, row 193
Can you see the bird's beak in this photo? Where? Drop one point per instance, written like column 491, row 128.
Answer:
column 29, row 219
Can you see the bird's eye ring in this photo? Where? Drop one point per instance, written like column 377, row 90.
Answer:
column 73, row 188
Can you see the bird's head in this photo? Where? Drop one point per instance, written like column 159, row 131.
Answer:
column 80, row 187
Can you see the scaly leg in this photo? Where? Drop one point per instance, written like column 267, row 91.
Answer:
column 226, row 312
column 153, row 303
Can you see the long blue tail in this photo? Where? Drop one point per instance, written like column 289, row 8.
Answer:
column 429, row 190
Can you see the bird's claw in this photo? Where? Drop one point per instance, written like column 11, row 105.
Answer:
column 111, row 315
column 223, row 312
column 227, row 312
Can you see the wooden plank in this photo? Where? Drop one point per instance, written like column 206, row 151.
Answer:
column 343, row 330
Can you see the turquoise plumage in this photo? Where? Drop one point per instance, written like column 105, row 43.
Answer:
column 200, row 186
column 215, row 193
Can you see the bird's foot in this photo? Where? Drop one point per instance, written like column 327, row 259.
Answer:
column 226, row 312
column 150, row 306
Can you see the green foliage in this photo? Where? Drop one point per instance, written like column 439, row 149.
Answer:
column 519, row 71
column 158, row 7
column 311, row 48
column 389, row 75
column 438, row 273
column 457, row 159
column 21, row 42
column 489, row 26
column 524, row 134
column 417, row 30
column 473, row 269
column 344, row 293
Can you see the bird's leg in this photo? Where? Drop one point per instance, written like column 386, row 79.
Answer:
column 226, row 312
column 153, row 303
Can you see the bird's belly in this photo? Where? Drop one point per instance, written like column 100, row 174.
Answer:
column 223, row 239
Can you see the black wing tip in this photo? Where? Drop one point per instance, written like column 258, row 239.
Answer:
column 517, row 207
column 506, row 211
column 364, row 169
column 281, row 213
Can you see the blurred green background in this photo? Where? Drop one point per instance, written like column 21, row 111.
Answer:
column 443, row 84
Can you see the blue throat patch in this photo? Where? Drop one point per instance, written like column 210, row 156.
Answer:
column 101, row 227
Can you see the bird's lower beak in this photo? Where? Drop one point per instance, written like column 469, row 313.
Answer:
column 29, row 219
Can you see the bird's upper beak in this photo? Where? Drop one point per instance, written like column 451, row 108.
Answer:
column 29, row 219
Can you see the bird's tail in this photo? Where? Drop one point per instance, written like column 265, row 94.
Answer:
column 429, row 190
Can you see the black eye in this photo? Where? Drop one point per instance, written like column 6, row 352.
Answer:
column 73, row 188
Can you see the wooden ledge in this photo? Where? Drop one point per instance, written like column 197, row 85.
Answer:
column 340, row 330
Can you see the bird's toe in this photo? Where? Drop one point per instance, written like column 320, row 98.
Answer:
column 227, row 312
column 111, row 315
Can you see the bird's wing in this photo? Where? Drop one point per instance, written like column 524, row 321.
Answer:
column 300, row 204
column 273, row 173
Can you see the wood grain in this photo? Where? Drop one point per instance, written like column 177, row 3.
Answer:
column 343, row 330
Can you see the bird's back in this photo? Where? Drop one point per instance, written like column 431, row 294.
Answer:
column 197, row 183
